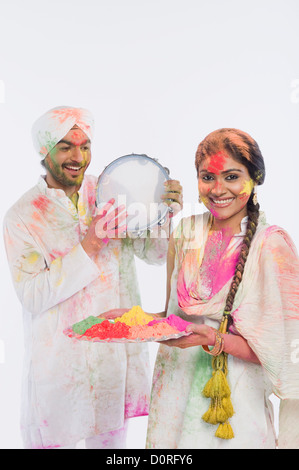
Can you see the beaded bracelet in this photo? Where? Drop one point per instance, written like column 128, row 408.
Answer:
column 218, row 347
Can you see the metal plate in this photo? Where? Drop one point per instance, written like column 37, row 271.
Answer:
column 70, row 333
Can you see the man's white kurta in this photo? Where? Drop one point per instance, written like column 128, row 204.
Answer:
column 73, row 389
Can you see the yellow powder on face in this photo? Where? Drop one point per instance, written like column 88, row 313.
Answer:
column 248, row 187
column 135, row 316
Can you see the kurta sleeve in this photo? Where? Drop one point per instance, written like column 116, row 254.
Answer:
column 40, row 285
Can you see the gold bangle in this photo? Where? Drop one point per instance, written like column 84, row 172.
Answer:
column 218, row 347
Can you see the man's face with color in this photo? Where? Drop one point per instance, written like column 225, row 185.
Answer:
column 68, row 160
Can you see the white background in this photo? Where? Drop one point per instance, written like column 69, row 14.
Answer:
column 158, row 76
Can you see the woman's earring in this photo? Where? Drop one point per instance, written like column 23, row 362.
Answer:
column 199, row 200
column 254, row 198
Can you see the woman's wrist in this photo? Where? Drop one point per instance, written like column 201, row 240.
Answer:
column 212, row 336
column 216, row 340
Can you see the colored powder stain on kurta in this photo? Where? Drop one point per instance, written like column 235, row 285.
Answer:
column 41, row 203
column 32, row 257
column 133, row 409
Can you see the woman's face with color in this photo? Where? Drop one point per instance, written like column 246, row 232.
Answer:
column 69, row 159
column 224, row 186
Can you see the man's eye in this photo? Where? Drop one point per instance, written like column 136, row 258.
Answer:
column 64, row 149
column 85, row 149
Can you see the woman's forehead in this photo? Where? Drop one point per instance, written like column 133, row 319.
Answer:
column 219, row 162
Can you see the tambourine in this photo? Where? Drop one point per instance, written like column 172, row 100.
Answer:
column 137, row 181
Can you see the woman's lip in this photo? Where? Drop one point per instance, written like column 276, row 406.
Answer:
column 227, row 202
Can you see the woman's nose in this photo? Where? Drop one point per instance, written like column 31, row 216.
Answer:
column 218, row 189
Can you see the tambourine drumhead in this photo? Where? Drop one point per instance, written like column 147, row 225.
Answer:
column 138, row 182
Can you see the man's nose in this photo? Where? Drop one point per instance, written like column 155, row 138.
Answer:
column 77, row 154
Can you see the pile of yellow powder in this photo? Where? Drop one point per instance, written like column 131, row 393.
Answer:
column 135, row 316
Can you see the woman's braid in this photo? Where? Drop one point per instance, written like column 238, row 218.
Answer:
column 253, row 216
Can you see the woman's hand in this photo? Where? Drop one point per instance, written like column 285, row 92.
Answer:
column 200, row 335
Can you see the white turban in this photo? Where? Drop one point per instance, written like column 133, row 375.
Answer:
column 52, row 126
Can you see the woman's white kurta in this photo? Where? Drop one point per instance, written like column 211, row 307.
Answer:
column 73, row 389
column 265, row 312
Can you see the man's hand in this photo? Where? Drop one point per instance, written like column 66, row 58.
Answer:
column 114, row 313
column 173, row 196
column 103, row 227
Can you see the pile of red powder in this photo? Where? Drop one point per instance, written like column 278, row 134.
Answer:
column 106, row 330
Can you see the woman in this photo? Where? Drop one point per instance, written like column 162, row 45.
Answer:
column 235, row 279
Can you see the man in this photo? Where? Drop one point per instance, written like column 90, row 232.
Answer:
column 65, row 267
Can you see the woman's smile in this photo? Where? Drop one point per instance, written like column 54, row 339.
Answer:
column 224, row 202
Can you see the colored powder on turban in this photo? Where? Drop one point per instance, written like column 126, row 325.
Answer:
column 107, row 330
column 83, row 325
column 156, row 330
column 135, row 316
column 52, row 126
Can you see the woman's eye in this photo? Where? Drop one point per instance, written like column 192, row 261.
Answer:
column 232, row 177
column 207, row 178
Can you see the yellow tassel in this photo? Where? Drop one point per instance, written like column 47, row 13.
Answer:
column 221, row 414
column 216, row 413
column 207, row 391
column 225, row 431
column 228, row 407
column 217, row 386
column 210, row 416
